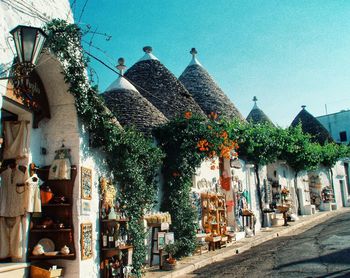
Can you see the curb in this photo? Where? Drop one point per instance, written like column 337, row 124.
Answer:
column 306, row 222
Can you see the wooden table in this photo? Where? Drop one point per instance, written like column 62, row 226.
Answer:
column 214, row 242
column 248, row 220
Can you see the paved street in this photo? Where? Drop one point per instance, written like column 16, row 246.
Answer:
column 323, row 251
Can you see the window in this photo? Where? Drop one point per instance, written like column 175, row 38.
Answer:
column 343, row 137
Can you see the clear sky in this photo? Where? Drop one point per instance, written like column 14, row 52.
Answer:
column 287, row 53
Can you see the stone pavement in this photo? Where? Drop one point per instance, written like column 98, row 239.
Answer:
column 189, row 264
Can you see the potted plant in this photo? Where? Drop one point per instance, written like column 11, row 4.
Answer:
column 170, row 262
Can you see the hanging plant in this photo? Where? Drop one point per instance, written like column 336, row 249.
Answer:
column 133, row 159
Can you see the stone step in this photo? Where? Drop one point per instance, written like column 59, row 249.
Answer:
column 277, row 222
column 17, row 270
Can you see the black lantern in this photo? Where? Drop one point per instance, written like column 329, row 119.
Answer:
column 29, row 42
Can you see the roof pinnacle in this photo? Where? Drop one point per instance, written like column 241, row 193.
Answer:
column 194, row 58
column 255, row 99
column 303, row 107
column 121, row 67
column 147, row 49
column 193, row 52
column 148, row 54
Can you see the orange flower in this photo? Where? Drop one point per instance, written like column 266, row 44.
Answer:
column 213, row 115
column 203, row 145
column 188, row 115
column 224, row 134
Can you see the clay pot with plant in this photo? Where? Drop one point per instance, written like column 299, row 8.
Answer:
column 171, row 249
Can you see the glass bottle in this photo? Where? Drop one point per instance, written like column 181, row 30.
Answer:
column 111, row 239
column 104, row 240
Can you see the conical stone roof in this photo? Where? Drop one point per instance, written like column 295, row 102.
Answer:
column 131, row 108
column 160, row 87
column 206, row 92
column 257, row 116
column 312, row 126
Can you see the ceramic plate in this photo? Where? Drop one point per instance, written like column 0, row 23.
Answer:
column 54, row 253
column 47, row 244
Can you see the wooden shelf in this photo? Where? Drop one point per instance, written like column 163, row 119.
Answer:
column 60, row 212
column 214, row 218
column 51, row 230
column 117, row 248
column 115, row 220
column 56, row 205
column 58, row 256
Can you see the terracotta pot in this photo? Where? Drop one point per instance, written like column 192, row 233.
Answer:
column 46, row 195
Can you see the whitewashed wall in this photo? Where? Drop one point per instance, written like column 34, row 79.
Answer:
column 204, row 172
column 340, row 187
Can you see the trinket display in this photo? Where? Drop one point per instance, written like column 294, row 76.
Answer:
column 158, row 218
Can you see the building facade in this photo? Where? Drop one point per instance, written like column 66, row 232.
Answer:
column 338, row 125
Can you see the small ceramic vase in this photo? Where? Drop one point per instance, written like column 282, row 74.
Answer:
column 38, row 250
column 112, row 214
column 65, row 250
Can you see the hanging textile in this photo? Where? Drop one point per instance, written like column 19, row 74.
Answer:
column 32, row 201
column 11, row 237
column 12, row 191
column 16, row 139
column 12, row 209
column 61, row 167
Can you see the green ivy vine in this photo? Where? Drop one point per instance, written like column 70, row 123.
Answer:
column 133, row 159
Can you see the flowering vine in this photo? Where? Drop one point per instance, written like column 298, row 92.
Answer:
column 187, row 141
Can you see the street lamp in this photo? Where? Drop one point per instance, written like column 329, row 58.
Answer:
column 29, row 42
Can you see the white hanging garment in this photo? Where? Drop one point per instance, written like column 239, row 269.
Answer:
column 11, row 237
column 16, row 139
column 32, row 201
column 61, row 167
column 12, row 195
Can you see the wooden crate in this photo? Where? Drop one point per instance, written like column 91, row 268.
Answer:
column 42, row 270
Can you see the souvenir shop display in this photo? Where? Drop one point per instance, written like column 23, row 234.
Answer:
column 158, row 218
column 276, row 193
column 116, row 250
column 60, row 168
column 53, row 230
column 214, row 218
column 15, row 202
column 327, row 195
column 315, row 190
column 16, row 140
column 284, row 195
column 108, row 197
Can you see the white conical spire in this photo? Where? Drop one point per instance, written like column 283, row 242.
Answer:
column 121, row 82
column 148, row 54
column 194, row 60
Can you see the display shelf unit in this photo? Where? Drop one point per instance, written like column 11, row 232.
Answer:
column 58, row 212
column 120, row 255
column 214, row 218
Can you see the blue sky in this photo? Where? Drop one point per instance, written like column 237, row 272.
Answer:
column 287, row 53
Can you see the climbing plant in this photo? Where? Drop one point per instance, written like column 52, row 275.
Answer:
column 187, row 141
column 133, row 159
